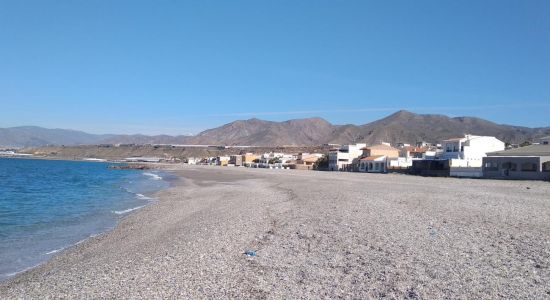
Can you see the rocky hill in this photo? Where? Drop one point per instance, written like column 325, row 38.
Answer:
column 313, row 131
column 402, row 126
column 33, row 136
column 405, row 126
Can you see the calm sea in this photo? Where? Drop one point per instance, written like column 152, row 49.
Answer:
column 47, row 206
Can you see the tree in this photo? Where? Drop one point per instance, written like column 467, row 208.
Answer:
column 321, row 163
column 526, row 143
column 274, row 160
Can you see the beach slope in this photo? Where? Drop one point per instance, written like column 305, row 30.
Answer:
column 314, row 235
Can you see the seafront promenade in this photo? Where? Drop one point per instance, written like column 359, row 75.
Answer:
column 313, row 235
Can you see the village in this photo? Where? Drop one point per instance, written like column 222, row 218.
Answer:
column 470, row 156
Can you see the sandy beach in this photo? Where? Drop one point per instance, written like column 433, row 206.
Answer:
column 315, row 235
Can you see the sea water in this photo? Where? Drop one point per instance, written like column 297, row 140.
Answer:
column 47, row 206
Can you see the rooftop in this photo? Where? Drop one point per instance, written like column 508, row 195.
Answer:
column 311, row 159
column 465, row 137
column 532, row 150
column 454, row 139
column 379, row 147
column 372, row 158
column 415, row 149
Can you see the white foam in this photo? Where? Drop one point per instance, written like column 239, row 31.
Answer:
column 126, row 190
column 24, row 270
column 153, row 176
column 121, row 212
column 143, row 197
column 54, row 251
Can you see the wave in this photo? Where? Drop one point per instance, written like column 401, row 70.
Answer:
column 153, row 176
column 55, row 251
column 127, row 190
column 121, row 212
column 143, row 197
column 21, row 271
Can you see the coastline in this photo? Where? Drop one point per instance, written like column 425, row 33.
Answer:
column 137, row 190
column 316, row 234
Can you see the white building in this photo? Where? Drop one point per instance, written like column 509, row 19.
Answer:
column 270, row 159
column 342, row 158
column 276, row 156
column 7, row 153
column 373, row 164
column 222, row 160
column 193, row 160
column 469, row 150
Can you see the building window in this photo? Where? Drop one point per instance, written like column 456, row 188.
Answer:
column 462, row 148
column 491, row 166
column 546, row 166
column 510, row 166
column 529, row 167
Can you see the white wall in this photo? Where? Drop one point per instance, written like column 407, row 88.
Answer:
column 474, row 148
column 477, row 148
column 344, row 156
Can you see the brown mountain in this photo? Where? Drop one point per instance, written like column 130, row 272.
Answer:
column 402, row 126
column 266, row 133
column 141, row 139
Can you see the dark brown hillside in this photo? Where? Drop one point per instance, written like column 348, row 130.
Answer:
column 402, row 126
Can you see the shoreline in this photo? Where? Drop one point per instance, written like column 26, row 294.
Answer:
column 315, row 235
column 147, row 198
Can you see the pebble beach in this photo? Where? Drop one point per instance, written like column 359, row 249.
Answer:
column 279, row 234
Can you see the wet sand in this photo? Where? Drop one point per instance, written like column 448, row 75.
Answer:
column 316, row 235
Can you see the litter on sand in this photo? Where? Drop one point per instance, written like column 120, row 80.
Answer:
column 250, row 253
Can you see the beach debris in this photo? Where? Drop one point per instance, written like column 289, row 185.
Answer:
column 250, row 253
column 431, row 229
column 528, row 188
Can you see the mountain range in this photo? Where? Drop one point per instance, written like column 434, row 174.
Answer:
column 402, row 126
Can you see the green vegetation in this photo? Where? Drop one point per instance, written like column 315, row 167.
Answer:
column 526, row 143
column 274, row 160
column 321, row 163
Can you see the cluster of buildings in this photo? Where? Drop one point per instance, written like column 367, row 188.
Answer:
column 271, row 160
column 470, row 156
column 530, row 162
column 467, row 156
column 12, row 153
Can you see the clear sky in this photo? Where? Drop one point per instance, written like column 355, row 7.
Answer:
column 179, row 67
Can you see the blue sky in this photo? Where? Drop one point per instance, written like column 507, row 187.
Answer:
column 180, row 67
